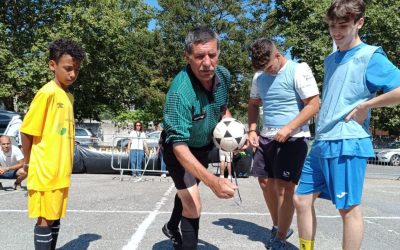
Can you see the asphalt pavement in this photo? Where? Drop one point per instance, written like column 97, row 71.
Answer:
column 106, row 213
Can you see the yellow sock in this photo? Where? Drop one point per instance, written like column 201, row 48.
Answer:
column 306, row 244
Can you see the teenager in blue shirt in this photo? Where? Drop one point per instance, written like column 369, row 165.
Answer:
column 335, row 167
column 289, row 96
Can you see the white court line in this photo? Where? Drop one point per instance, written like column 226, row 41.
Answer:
column 141, row 231
column 203, row 213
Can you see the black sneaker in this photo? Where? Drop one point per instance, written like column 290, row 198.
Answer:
column 173, row 235
column 274, row 231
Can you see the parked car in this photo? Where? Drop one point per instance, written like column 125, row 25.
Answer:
column 86, row 137
column 389, row 155
column 153, row 138
column 10, row 123
column 122, row 143
column 5, row 118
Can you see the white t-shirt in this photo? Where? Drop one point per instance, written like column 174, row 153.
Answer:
column 305, row 85
column 11, row 157
column 137, row 139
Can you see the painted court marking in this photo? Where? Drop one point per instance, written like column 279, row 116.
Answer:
column 141, row 231
column 203, row 213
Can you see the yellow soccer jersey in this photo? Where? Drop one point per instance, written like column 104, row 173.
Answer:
column 50, row 120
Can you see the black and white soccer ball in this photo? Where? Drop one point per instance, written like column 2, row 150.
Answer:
column 229, row 134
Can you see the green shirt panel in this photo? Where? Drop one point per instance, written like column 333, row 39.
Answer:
column 191, row 112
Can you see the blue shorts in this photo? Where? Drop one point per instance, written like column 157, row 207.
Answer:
column 12, row 174
column 338, row 179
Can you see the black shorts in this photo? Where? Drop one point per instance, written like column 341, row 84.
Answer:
column 280, row 160
column 181, row 177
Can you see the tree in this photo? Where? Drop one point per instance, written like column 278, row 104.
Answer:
column 129, row 66
column 112, row 33
column 19, row 22
column 109, row 32
column 237, row 22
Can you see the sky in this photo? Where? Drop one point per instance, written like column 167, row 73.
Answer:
column 152, row 3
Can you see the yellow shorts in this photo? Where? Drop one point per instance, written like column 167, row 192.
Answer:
column 51, row 205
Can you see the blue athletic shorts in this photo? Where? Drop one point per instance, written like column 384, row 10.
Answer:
column 338, row 179
column 12, row 174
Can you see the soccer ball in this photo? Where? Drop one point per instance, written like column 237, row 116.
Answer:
column 229, row 134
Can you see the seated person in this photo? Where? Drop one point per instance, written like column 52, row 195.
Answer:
column 11, row 162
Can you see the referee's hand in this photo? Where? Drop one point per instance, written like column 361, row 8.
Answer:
column 223, row 188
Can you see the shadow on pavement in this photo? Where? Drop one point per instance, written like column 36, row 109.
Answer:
column 82, row 242
column 251, row 230
column 167, row 245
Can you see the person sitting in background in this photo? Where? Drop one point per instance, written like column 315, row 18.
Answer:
column 11, row 162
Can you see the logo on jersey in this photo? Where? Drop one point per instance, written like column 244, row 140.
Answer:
column 60, row 105
column 63, row 131
column 341, row 195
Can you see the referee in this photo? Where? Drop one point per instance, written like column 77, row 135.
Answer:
column 195, row 103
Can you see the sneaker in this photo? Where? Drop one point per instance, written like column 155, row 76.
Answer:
column 221, row 176
column 278, row 244
column 164, row 176
column 230, row 178
column 18, row 186
column 274, row 231
column 173, row 235
column 289, row 233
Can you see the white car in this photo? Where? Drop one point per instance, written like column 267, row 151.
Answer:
column 152, row 139
column 390, row 154
column 10, row 123
column 86, row 137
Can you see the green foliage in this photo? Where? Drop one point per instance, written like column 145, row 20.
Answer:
column 305, row 33
column 238, row 23
column 127, row 118
column 113, row 34
column 129, row 66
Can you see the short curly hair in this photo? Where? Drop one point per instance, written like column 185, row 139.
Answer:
column 261, row 53
column 345, row 10
column 63, row 46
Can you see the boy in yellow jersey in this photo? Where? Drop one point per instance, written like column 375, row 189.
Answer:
column 47, row 134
